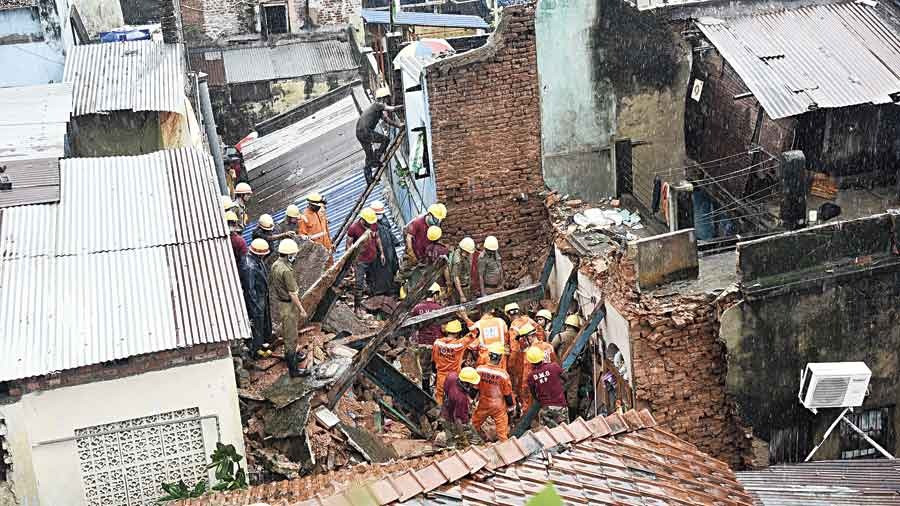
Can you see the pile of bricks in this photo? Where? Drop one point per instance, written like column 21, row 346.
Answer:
column 679, row 364
column 486, row 144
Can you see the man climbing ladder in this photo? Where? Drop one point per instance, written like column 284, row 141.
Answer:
column 367, row 135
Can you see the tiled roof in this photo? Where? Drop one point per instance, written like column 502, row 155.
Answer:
column 618, row 459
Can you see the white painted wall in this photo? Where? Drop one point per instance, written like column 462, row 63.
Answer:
column 616, row 331
column 50, row 475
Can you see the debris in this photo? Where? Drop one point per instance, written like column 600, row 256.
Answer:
column 276, row 462
column 574, row 203
column 363, row 441
column 289, row 421
column 327, row 417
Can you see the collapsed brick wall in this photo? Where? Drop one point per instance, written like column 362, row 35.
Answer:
column 208, row 20
column 679, row 364
column 486, row 142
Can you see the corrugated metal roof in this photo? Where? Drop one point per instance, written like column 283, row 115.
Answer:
column 32, row 140
column 160, row 274
column 866, row 482
column 317, row 153
column 166, row 197
column 127, row 76
column 410, row 18
column 287, row 61
column 211, row 63
column 821, row 56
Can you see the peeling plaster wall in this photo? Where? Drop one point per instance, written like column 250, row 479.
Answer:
column 578, row 110
column 853, row 318
column 609, row 72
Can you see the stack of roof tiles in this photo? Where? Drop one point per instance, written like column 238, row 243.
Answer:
column 618, row 459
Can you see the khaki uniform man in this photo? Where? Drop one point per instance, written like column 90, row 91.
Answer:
column 288, row 310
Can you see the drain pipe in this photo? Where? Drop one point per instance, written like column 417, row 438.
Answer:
column 215, row 145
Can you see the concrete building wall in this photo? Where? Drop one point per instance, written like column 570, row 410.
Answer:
column 50, row 475
column 578, row 108
column 100, row 15
column 33, row 43
column 486, row 145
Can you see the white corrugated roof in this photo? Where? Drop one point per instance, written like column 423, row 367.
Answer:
column 140, row 75
column 134, row 259
column 287, row 61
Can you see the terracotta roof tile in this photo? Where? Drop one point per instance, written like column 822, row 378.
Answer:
column 383, row 491
column 633, row 419
column 579, row 430
column 561, row 435
column 430, row 478
column 647, row 417
column 616, row 424
column 545, row 438
column 406, row 485
column 529, row 444
column 598, row 426
column 509, row 452
column 453, row 467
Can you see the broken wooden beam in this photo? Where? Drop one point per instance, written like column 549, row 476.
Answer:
column 360, row 202
column 317, row 300
column 361, row 360
column 571, row 355
column 448, row 313
column 565, row 300
column 400, row 417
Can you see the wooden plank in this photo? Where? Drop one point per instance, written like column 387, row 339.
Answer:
column 317, row 300
column 448, row 313
column 432, row 274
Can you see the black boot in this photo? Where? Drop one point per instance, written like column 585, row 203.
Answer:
column 291, row 360
column 426, row 383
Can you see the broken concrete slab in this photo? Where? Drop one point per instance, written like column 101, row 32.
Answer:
column 289, row 421
column 367, row 444
column 278, row 463
column 327, row 417
column 287, row 390
column 341, row 318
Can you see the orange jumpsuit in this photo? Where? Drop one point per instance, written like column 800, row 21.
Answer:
column 516, row 355
column 492, row 389
column 447, row 355
column 313, row 223
column 490, row 330
column 524, row 393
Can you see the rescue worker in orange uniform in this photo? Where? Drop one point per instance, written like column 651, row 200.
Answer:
column 490, row 330
column 447, row 355
column 314, row 222
column 528, row 338
column 517, row 320
column 495, row 395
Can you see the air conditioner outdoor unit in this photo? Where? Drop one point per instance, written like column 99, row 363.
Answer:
column 834, row 385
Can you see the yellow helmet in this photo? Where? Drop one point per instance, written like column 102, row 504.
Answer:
column 453, row 327
column 434, row 288
column 259, row 246
column 526, row 329
column 368, row 215
column 510, row 307
column 288, row 247
column 438, row 210
column 231, row 216
column 543, row 313
column 469, row 375
column 573, row 320
column 467, row 245
column 266, row 222
column 292, row 211
column 497, row 348
column 227, row 203
column 402, row 292
column 434, row 233
column 534, row 355
column 242, row 189
column 314, row 197
column 491, row 243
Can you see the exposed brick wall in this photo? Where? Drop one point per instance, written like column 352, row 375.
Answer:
column 679, row 364
column 486, row 145
column 333, row 12
column 208, row 20
column 192, row 18
column 129, row 367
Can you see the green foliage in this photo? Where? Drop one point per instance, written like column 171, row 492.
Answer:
column 229, row 476
column 546, row 497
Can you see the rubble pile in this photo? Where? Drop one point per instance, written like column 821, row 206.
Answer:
column 288, row 430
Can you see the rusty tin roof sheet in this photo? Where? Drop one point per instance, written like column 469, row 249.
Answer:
column 287, row 61
column 140, row 75
column 619, row 459
column 814, row 57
